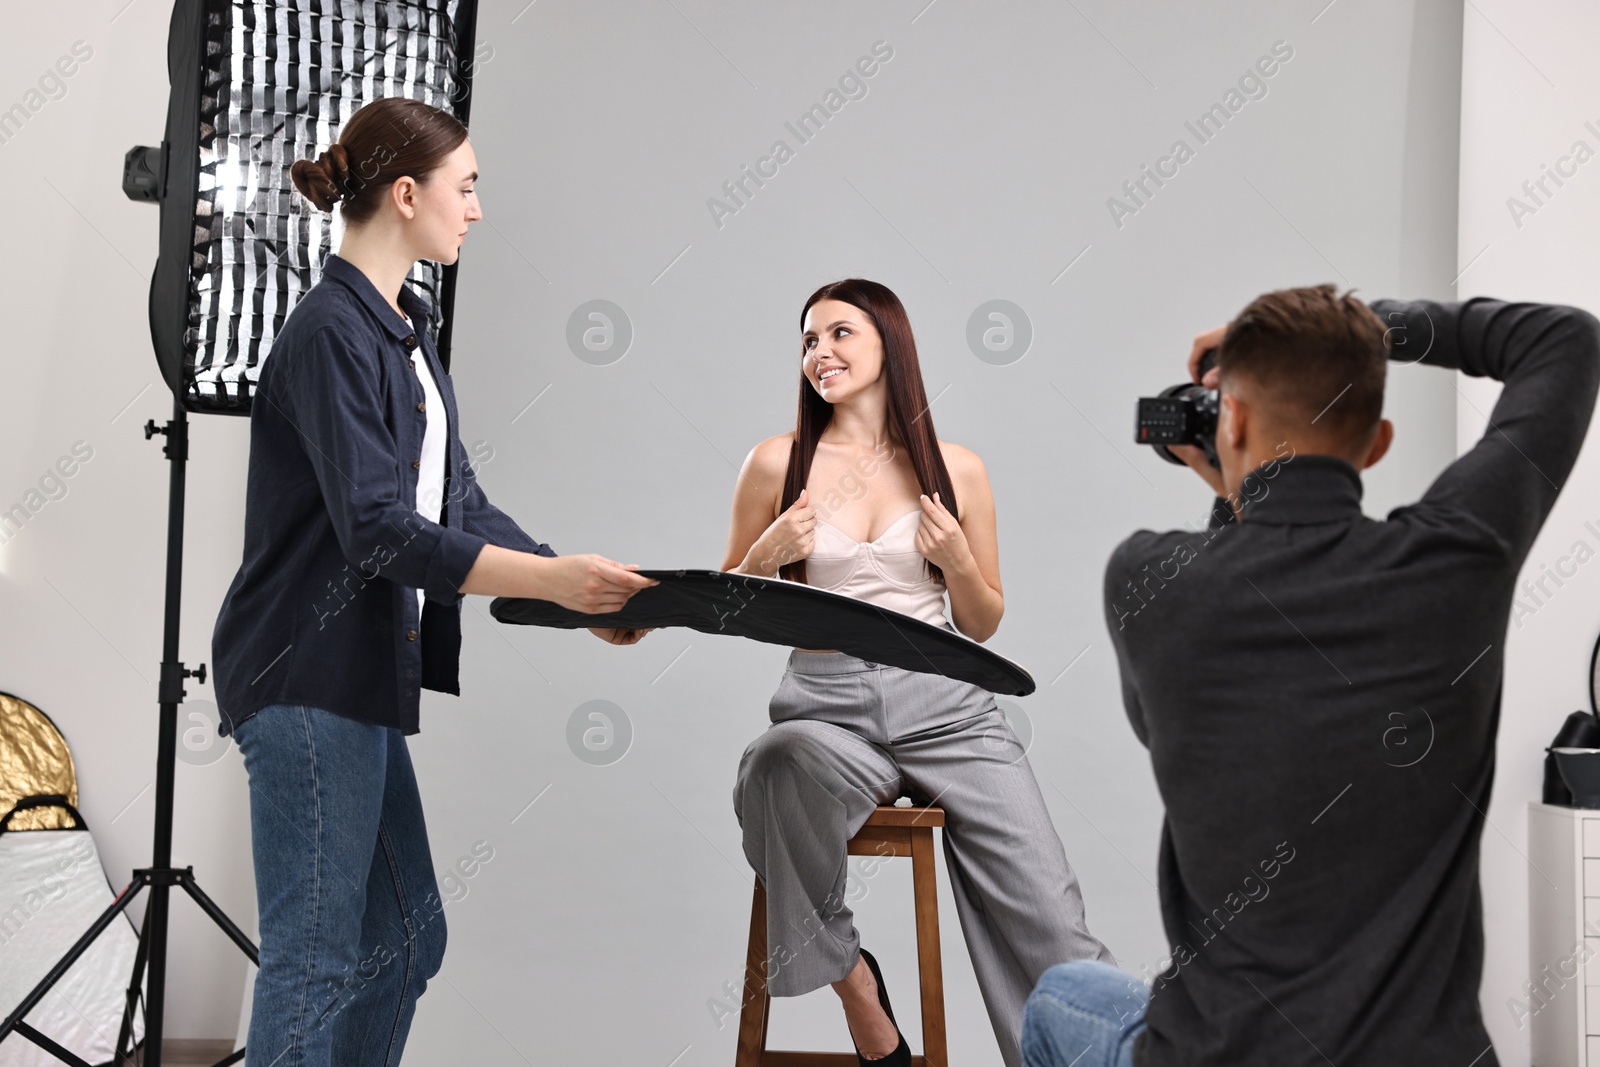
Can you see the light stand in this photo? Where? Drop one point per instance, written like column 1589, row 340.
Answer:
column 160, row 876
column 255, row 85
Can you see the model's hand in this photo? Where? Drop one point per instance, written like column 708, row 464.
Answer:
column 619, row 635
column 940, row 537
column 1204, row 343
column 592, row 584
column 790, row 537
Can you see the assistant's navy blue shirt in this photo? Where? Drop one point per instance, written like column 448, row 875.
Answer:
column 323, row 610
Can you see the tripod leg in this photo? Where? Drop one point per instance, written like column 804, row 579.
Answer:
column 125, row 1042
column 65, row 1055
column 155, row 997
column 219, row 917
column 64, row 964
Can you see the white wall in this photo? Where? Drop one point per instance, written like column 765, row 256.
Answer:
column 1528, row 87
column 977, row 167
column 82, row 583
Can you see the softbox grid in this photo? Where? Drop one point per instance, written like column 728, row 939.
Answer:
column 278, row 82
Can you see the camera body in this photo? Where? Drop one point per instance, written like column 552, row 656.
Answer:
column 1184, row 414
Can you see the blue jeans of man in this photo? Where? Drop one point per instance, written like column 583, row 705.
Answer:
column 352, row 926
column 1086, row 1014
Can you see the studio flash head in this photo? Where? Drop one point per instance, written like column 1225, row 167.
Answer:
column 1184, row 414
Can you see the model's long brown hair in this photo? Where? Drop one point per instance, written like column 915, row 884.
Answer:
column 909, row 416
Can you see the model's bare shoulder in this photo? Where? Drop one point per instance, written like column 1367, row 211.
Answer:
column 774, row 451
column 768, row 461
column 960, row 456
column 966, row 469
column 761, row 477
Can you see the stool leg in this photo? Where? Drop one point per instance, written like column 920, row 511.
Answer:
column 753, row 1013
column 925, row 893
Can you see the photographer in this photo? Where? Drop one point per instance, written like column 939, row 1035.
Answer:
column 1320, row 692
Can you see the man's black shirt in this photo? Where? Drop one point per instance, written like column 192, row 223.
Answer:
column 1320, row 692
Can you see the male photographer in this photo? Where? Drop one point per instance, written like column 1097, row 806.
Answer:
column 1320, row 691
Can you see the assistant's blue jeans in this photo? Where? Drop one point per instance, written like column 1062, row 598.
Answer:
column 352, row 926
column 1085, row 1013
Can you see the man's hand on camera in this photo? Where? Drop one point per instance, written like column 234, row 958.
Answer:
column 1195, row 457
column 1192, row 455
column 1203, row 343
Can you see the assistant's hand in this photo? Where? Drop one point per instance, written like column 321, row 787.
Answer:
column 1202, row 344
column 592, row 584
column 940, row 537
column 619, row 635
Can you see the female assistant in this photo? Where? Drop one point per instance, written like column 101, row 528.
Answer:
column 364, row 526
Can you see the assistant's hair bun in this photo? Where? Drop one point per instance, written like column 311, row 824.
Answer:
column 325, row 180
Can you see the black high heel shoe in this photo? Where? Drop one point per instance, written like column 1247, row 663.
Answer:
column 901, row 1056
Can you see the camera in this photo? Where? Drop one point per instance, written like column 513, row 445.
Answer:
column 1184, row 414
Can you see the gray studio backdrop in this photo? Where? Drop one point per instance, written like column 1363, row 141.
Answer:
column 974, row 165
column 627, row 331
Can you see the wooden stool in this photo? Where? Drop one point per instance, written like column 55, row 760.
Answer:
column 887, row 832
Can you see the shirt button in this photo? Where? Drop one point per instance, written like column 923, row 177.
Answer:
column 416, row 464
column 411, row 635
column 422, row 405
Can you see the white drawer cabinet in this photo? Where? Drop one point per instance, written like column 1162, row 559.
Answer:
column 1563, row 1010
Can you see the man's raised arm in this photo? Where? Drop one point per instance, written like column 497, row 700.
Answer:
column 1548, row 356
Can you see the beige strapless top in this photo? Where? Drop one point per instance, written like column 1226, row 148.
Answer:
column 889, row 572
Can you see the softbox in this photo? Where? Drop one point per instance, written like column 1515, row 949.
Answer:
column 256, row 85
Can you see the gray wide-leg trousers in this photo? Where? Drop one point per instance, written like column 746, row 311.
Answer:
column 848, row 735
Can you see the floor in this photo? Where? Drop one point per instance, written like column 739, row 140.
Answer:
column 194, row 1053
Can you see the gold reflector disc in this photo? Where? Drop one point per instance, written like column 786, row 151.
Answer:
column 33, row 759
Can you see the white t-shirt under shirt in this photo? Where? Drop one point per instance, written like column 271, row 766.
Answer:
column 430, row 477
